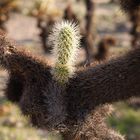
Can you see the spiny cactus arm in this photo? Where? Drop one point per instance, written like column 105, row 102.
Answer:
column 65, row 38
column 15, row 60
column 114, row 81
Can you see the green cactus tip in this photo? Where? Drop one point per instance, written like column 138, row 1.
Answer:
column 65, row 38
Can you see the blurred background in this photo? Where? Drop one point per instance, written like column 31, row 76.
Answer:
column 107, row 32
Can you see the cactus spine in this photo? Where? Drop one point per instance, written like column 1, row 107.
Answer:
column 65, row 38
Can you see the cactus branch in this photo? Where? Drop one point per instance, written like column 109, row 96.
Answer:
column 65, row 38
column 15, row 60
column 116, row 80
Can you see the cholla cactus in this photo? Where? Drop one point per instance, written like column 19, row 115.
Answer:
column 65, row 38
column 77, row 110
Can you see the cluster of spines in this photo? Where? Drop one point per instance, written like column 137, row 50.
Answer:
column 65, row 38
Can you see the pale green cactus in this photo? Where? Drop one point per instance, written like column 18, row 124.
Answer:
column 65, row 38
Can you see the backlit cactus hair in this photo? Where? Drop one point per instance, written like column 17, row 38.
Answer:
column 65, row 38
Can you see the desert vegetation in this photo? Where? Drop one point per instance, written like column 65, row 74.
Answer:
column 68, row 93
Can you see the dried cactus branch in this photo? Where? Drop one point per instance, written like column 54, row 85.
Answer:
column 113, row 81
column 13, row 59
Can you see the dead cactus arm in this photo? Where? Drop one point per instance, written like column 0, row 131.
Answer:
column 21, row 67
column 15, row 60
column 116, row 80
